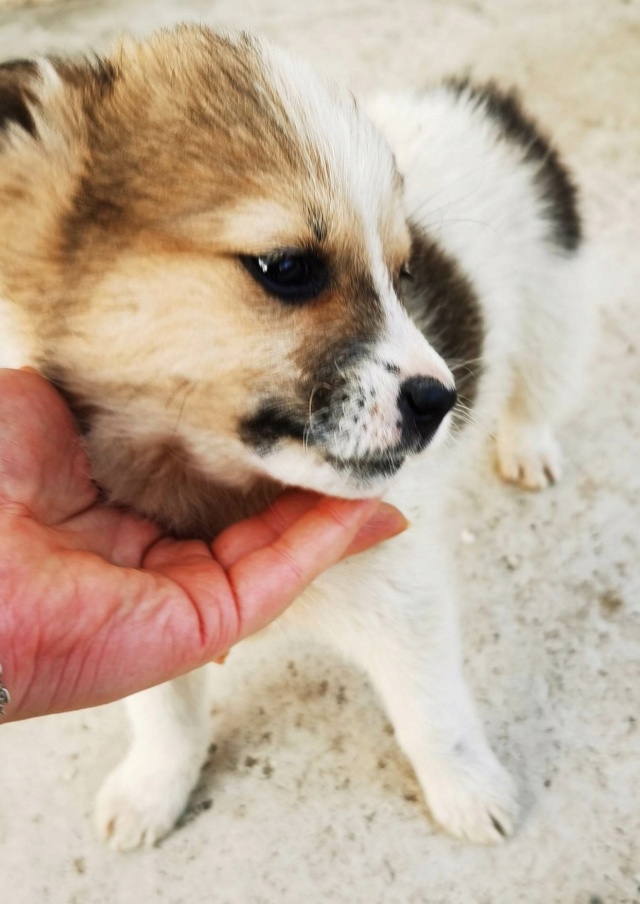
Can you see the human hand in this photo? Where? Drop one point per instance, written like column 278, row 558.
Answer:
column 96, row 604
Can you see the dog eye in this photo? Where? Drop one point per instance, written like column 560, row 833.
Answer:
column 289, row 276
column 405, row 273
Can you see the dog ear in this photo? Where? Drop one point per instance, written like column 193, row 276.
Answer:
column 18, row 96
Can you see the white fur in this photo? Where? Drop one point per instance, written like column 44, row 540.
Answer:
column 16, row 342
column 392, row 609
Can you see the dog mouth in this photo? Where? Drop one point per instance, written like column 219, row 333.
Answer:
column 370, row 468
column 273, row 424
column 363, row 430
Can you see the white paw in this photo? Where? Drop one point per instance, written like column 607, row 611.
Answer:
column 140, row 802
column 473, row 797
column 528, row 454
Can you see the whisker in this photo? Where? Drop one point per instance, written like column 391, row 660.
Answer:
column 467, row 416
column 311, row 414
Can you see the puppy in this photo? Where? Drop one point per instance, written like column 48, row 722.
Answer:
column 217, row 257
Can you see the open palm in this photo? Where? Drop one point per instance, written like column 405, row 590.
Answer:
column 95, row 603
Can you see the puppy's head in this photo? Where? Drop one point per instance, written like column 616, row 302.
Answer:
column 216, row 249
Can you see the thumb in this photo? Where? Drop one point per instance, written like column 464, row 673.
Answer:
column 268, row 579
column 43, row 465
column 255, row 588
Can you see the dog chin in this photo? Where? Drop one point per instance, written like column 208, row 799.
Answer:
column 349, row 479
column 322, row 471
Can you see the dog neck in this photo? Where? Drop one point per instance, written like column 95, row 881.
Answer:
column 159, row 479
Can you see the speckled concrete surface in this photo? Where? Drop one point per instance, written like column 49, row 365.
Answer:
column 306, row 798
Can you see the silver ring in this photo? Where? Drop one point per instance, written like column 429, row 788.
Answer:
column 5, row 696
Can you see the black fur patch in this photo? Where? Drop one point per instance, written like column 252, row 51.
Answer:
column 371, row 468
column 16, row 95
column 556, row 187
column 443, row 304
column 271, row 423
column 287, row 417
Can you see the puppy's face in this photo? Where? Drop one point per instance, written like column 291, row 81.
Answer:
column 230, row 252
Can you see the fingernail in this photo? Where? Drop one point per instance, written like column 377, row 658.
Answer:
column 28, row 369
column 392, row 517
column 354, row 510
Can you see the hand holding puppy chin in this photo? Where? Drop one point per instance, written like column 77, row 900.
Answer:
column 97, row 604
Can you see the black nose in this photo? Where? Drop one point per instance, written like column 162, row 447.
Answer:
column 423, row 403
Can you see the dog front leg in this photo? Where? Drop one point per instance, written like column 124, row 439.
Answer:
column 404, row 634
column 145, row 794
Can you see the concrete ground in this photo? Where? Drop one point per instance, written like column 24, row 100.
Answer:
column 306, row 798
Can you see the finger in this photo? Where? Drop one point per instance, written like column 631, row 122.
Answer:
column 190, row 566
column 253, row 533
column 268, row 579
column 148, row 625
column 43, row 465
column 116, row 535
column 387, row 522
column 263, row 583
column 312, row 533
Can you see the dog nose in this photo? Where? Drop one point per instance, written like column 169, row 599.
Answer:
column 423, row 403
